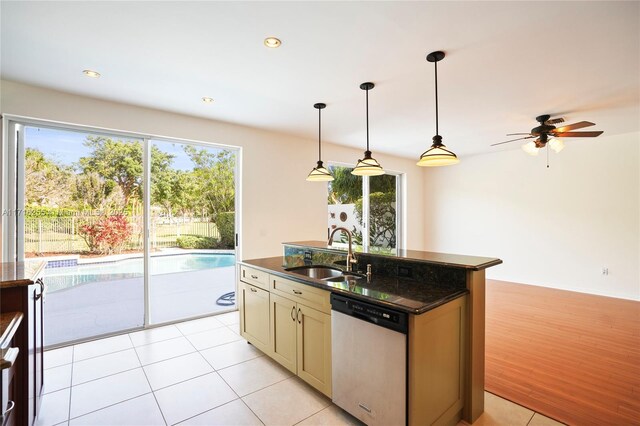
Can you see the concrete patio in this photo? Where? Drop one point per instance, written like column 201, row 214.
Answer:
column 104, row 307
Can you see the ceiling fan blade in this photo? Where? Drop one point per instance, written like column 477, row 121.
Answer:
column 515, row 134
column 578, row 134
column 555, row 121
column 574, row 126
column 512, row 140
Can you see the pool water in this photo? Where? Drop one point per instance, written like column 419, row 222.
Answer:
column 61, row 278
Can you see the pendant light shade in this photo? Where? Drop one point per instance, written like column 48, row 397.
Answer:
column 368, row 166
column 438, row 154
column 319, row 173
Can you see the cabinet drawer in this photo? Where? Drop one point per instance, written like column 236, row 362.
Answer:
column 254, row 276
column 305, row 294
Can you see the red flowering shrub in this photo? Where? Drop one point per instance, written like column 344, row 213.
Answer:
column 108, row 235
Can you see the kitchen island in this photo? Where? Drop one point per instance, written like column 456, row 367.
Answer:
column 287, row 315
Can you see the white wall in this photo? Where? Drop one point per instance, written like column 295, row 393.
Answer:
column 277, row 203
column 555, row 227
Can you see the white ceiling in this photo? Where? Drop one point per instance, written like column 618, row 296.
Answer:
column 506, row 63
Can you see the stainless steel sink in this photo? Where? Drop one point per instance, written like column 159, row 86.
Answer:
column 318, row 272
column 347, row 278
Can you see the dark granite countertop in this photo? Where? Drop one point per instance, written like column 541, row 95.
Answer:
column 401, row 294
column 16, row 274
column 474, row 263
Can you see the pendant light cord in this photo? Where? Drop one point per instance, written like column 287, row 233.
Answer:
column 367, row 119
column 319, row 134
column 436, row 65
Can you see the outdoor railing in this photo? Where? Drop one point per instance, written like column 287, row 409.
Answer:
column 61, row 234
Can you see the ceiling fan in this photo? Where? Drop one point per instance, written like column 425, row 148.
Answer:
column 547, row 132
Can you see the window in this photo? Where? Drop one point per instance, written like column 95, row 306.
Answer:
column 368, row 206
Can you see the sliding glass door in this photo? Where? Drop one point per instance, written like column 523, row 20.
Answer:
column 83, row 214
column 192, row 222
column 369, row 206
column 83, row 207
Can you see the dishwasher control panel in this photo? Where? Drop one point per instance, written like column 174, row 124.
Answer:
column 379, row 315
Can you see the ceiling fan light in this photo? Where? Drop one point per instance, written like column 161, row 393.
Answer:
column 368, row 166
column 556, row 144
column 530, row 148
column 320, row 174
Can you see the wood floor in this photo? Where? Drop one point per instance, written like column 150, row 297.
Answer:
column 570, row 356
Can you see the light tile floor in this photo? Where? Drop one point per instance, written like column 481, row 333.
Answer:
column 198, row 372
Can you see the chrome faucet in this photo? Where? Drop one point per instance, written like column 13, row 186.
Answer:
column 351, row 257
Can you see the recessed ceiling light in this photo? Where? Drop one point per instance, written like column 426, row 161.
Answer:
column 91, row 73
column 272, row 42
column 207, row 100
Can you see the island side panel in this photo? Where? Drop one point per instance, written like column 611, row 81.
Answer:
column 474, row 401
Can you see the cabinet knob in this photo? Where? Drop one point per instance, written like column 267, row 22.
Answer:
column 253, row 289
column 255, row 277
column 297, row 292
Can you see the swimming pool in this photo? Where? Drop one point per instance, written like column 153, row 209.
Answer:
column 70, row 276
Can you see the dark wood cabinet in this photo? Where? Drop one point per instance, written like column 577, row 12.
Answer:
column 35, row 293
column 24, row 381
column 9, row 380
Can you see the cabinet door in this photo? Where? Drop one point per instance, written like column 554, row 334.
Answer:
column 314, row 348
column 39, row 342
column 34, row 351
column 254, row 316
column 283, row 331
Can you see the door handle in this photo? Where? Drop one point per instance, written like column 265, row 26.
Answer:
column 5, row 414
column 299, row 317
column 292, row 311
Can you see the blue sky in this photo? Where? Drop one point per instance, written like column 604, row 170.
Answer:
column 66, row 147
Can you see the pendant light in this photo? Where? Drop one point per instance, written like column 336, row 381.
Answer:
column 368, row 166
column 319, row 173
column 438, row 154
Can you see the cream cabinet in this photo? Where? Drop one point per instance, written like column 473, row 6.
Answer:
column 314, row 348
column 284, row 326
column 254, row 316
column 301, row 331
column 290, row 322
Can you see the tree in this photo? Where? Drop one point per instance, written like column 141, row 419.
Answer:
column 382, row 218
column 93, row 192
column 121, row 162
column 347, row 188
column 176, row 191
column 47, row 183
column 214, row 176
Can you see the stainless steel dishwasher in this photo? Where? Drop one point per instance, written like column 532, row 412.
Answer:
column 369, row 361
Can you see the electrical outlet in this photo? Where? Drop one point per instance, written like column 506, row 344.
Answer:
column 605, row 271
column 405, row 272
